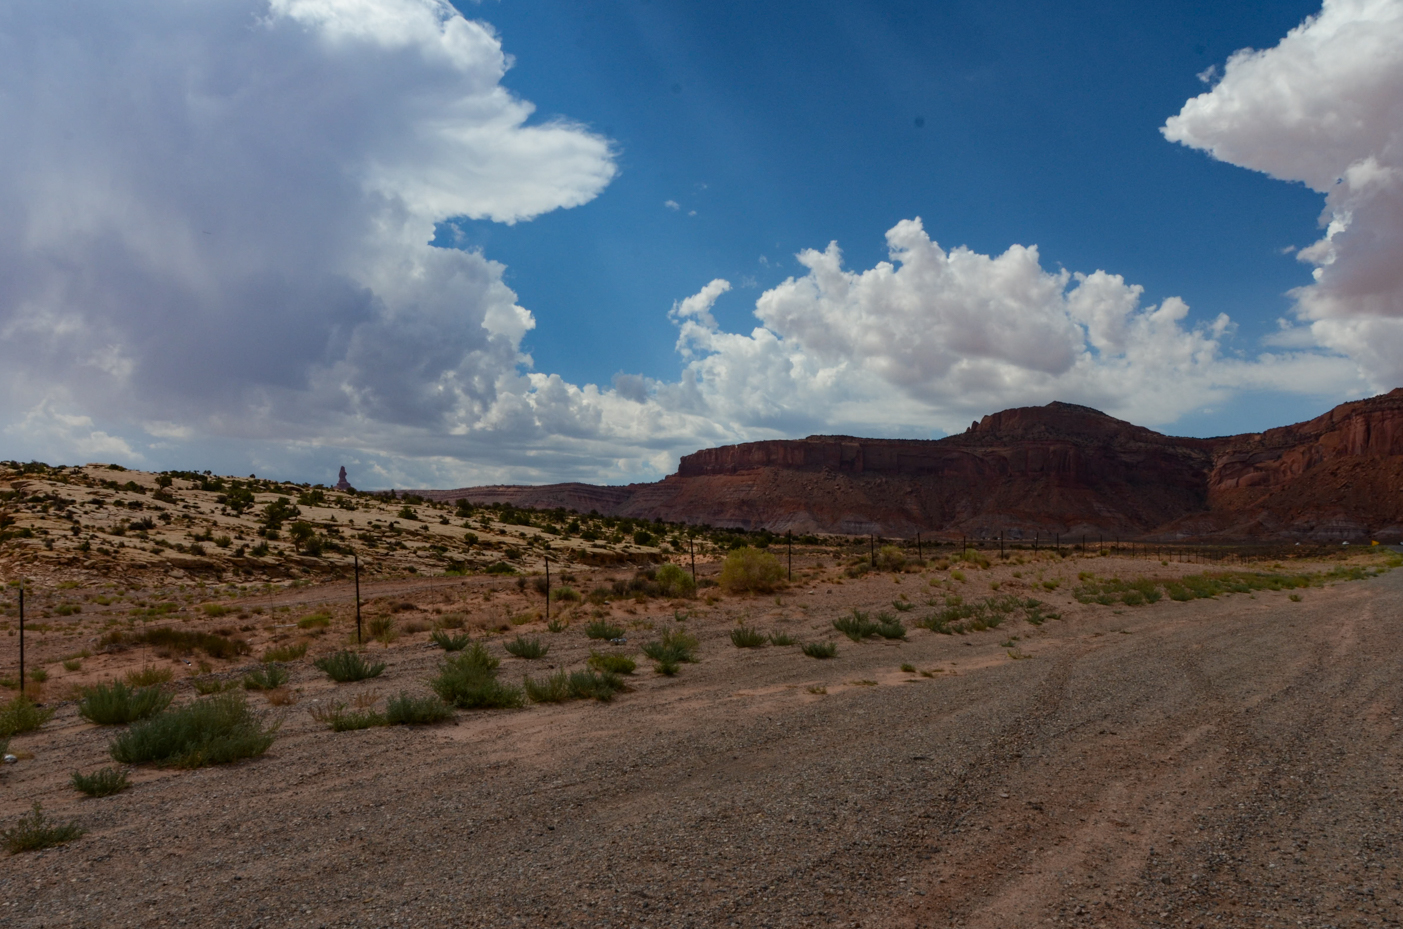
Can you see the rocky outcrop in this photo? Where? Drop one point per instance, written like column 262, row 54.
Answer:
column 1034, row 472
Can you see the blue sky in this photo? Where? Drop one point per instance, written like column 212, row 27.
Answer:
column 787, row 125
column 525, row 240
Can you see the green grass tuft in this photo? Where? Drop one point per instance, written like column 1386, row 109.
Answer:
column 268, row 677
column 404, row 710
column 782, row 638
column 36, row 831
column 104, row 782
column 821, row 649
column 600, row 629
column 469, row 681
column 671, row 650
column 745, row 637
column 314, row 621
column 212, row 730
column 117, row 704
column 347, row 666
column 522, row 647
column 449, row 642
column 21, row 715
column 338, row 718
column 286, row 652
column 149, row 676
column 618, row 664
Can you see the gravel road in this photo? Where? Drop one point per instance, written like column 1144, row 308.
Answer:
column 1230, row 762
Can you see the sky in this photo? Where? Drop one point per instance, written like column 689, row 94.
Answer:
column 539, row 240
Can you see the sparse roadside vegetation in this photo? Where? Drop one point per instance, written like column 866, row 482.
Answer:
column 210, row 731
column 346, row 666
column 118, row 704
column 36, row 831
column 468, row 681
column 104, row 782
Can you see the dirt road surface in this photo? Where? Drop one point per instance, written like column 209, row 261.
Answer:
column 1229, row 762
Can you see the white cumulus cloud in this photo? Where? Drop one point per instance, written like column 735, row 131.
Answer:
column 217, row 215
column 1324, row 107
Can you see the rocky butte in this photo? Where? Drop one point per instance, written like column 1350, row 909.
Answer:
column 1035, row 471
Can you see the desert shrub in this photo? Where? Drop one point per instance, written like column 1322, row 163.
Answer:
column 820, row 649
column 207, row 684
column 38, row 675
column 602, row 629
column 889, row 627
column 856, row 626
column 595, row 685
column 149, row 676
column 469, row 681
column 454, row 620
column 618, row 664
column 383, row 629
column 104, row 782
column 449, row 642
column 347, row 666
column 903, row 606
column 286, row 652
column 184, row 642
column 72, row 664
column 314, row 621
column 405, row 710
column 117, row 703
column 216, row 610
column 522, row 647
column 782, row 638
column 908, row 668
column 339, row 718
column 750, row 570
column 211, row 730
column 674, row 647
column 553, row 688
column 566, row 594
column 890, row 558
column 268, row 677
column 675, row 582
column 21, row 715
column 36, row 831
column 745, row 637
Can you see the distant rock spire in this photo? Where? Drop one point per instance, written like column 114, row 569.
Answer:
column 341, row 482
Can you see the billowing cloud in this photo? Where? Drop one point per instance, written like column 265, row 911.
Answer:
column 215, row 242
column 932, row 338
column 217, row 214
column 1325, row 108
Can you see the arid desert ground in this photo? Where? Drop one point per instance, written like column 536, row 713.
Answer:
column 1231, row 761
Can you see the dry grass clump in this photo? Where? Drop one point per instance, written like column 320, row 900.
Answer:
column 286, row 652
column 750, row 570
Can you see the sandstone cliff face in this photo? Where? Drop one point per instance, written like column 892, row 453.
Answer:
column 1035, row 471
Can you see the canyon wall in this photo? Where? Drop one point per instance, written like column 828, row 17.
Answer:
column 1034, row 471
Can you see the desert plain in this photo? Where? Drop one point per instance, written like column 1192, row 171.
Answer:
column 1230, row 760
